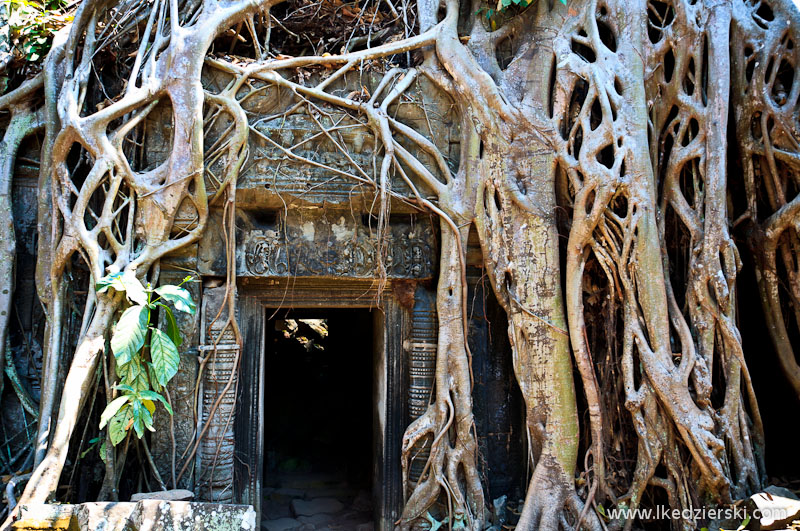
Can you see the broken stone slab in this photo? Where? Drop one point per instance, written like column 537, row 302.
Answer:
column 316, row 506
column 317, row 520
column 775, row 508
column 144, row 515
column 41, row 516
column 104, row 516
column 781, row 491
column 284, row 524
column 169, row 495
column 499, row 516
column 157, row 515
column 285, row 495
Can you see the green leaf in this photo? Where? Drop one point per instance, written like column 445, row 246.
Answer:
column 147, row 419
column 112, row 408
column 129, row 333
column 151, row 395
column 136, row 377
column 138, row 425
column 142, row 381
column 107, row 281
column 173, row 331
column 133, row 288
column 126, row 282
column 151, row 373
column 744, row 523
column 165, row 356
column 123, row 387
column 92, row 444
column 118, row 427
column 178, row 296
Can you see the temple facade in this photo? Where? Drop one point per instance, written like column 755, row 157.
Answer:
column 307, row 248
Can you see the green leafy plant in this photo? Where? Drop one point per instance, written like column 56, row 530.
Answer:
column 32, row 25
column 146, row 357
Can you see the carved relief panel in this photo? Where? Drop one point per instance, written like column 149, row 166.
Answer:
column 336, row 244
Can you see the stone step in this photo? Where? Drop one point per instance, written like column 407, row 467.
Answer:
column 316, row 506
column 284, row 524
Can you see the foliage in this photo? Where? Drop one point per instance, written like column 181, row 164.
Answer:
column 141, row 379
column 33, row 24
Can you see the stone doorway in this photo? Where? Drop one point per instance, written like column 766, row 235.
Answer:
column 318, row 419
column 263, row 301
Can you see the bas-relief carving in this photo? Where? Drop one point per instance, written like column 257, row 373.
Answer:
column 336, row 167
column 336, row 246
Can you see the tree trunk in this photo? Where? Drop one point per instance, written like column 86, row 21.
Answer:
column 44, row 481
column 520, row 243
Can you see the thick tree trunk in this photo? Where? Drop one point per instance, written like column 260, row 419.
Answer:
column 23, row 122
column 44, row 481
column 517, row 228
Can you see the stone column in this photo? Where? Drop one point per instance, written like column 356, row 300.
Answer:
column 220, row 354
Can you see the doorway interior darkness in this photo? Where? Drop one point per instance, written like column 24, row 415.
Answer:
column 318, row 410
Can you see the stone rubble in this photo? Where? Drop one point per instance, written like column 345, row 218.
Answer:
column 315, row 503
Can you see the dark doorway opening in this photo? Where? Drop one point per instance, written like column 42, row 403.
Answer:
column 318, row 416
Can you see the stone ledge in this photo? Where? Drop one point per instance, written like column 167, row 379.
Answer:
column 144, row 515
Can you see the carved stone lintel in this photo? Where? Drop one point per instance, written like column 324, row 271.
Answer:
column 336, row 245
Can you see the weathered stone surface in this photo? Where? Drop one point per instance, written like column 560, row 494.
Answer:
column 317, row 520
column 214, row 472
column 169, row 495
column 282, row 495
column 103, row 516
column 316, row 506
column 274, row 180
column 281, row 524
column 35, row 517
column 333, row 244
column 144, row 515
column 158, row 515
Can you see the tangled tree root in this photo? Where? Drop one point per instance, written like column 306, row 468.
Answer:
column 612, row 112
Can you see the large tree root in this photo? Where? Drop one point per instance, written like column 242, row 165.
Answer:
column 448, row 424
column 764, row 76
